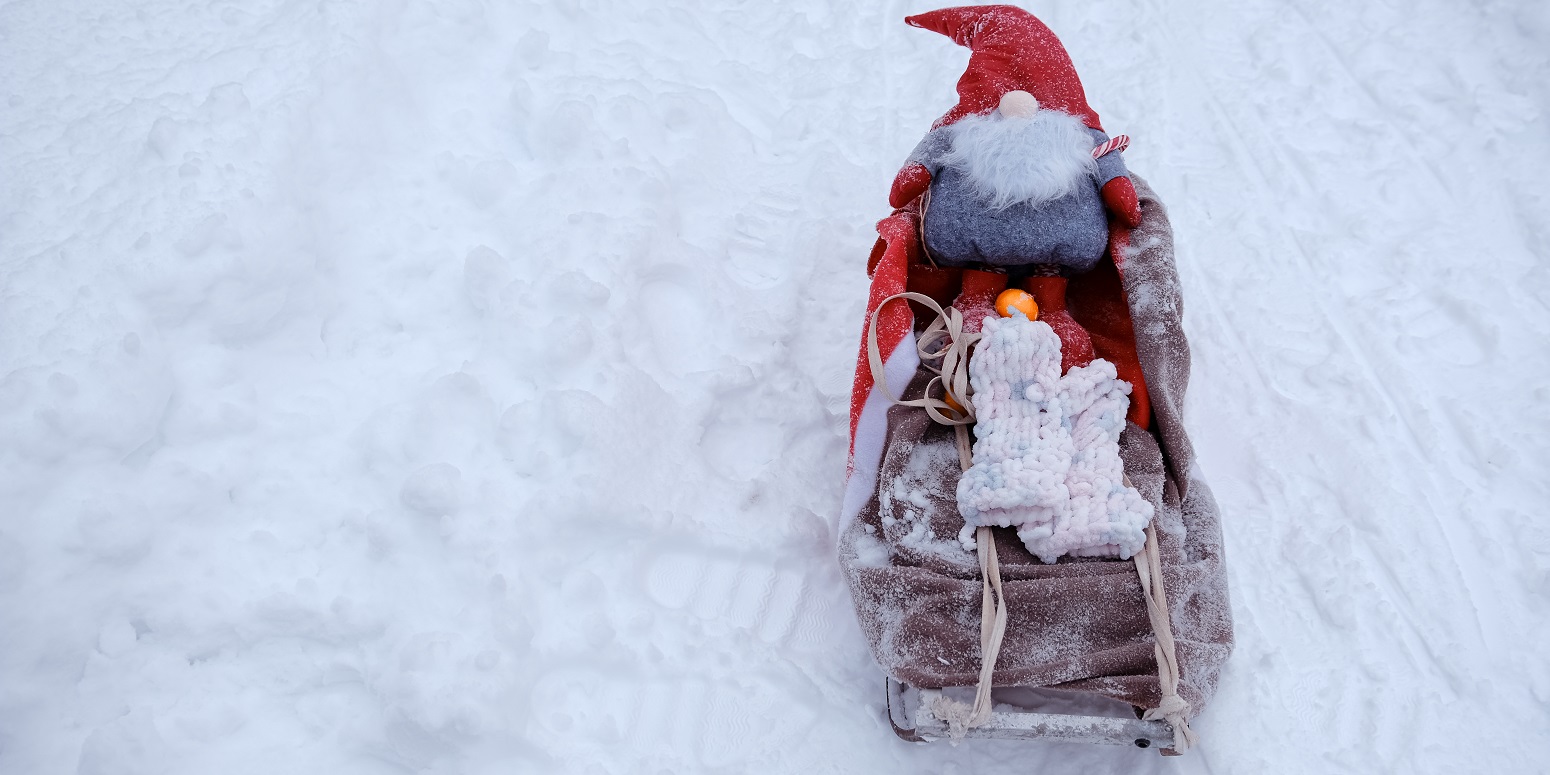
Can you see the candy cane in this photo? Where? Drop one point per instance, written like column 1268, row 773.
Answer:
column 1117, row 143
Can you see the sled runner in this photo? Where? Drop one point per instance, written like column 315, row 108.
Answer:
column 1057, row 572
column 910, row 711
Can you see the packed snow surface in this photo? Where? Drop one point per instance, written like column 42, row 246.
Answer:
column 461, row 387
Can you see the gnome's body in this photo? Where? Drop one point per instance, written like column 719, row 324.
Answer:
column 1008, row 177
column 974, row 215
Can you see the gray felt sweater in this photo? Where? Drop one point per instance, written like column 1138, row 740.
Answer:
column 960, row 230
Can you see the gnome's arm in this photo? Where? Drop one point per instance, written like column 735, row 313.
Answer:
column 912, row 181
column 1119, row 194
column 915, row 178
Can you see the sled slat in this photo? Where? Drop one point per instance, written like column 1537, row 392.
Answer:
column 910, row 711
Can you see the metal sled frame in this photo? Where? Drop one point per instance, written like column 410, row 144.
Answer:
column 909, row 710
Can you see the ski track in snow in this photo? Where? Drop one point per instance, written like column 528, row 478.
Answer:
column 462, row 387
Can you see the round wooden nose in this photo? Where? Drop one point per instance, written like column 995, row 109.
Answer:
column 1019, row 104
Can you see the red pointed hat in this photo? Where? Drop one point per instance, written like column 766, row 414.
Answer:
column 1012, row 50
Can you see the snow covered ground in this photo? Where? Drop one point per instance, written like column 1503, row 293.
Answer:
column 460, row 387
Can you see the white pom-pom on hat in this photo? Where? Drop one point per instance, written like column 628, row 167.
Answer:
column 1019, row 104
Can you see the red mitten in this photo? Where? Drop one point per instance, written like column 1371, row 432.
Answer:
column 1119, row 195
column 912, row 181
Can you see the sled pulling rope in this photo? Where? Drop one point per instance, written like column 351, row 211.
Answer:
column 952, row 374
column 945, row 340
column 1172, row 708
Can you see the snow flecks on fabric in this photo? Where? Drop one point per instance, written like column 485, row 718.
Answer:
column 908, row 511
column 1046, row 458
column 870, row 552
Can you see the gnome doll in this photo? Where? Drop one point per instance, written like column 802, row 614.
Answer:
column 1019, row 177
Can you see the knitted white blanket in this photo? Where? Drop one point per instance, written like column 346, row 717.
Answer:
column 1046, row 454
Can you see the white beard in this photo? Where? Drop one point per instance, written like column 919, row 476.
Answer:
column 1012, row 160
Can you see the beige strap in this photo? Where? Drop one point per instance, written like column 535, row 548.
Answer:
column 1172, row 708
column 992, row 622
column 951, row 344
column 945, row 340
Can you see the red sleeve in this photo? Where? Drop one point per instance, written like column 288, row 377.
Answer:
column 911, row 182
column 1119, row 195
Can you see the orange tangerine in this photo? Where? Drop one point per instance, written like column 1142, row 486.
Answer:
column 1017, row 299
column 947, row 398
